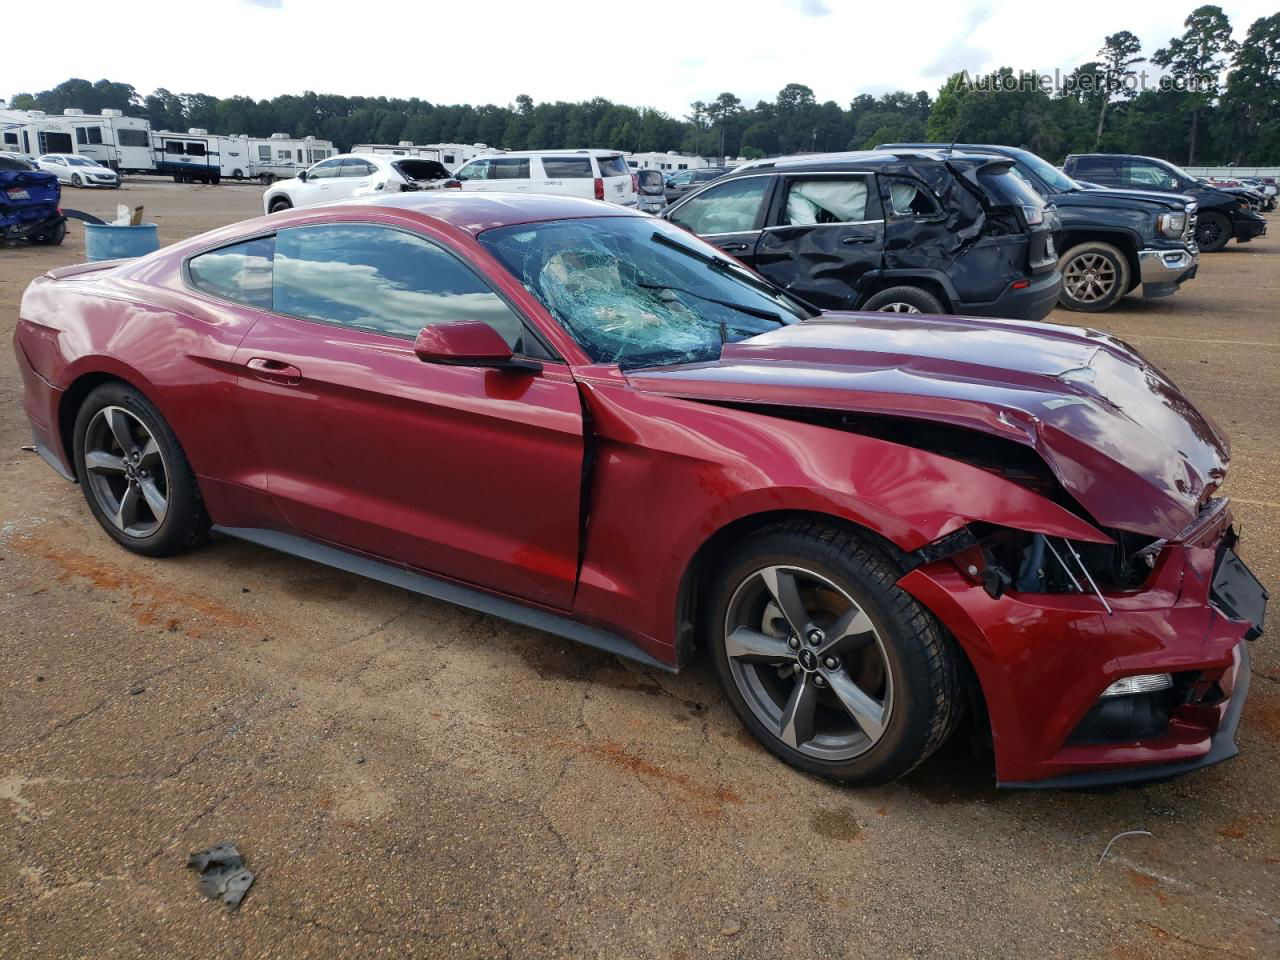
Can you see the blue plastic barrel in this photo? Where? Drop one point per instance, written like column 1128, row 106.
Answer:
column 106, row 241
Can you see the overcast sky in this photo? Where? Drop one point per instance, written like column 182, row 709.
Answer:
column 659, row 54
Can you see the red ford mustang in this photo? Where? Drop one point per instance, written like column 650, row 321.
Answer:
column 588, row 421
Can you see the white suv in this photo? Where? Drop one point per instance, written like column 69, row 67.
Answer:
column 598, row 174
column 354, row 175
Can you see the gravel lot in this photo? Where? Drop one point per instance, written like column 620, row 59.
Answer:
column 409, row 779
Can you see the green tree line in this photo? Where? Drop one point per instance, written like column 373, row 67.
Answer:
column 1201, row 97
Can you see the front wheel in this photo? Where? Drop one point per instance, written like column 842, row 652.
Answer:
column 279, row 204
column 134, row 474
column 76, row 181
column 1094, row 277
column 905, row 300
column 1213, row 231
column 830, row 665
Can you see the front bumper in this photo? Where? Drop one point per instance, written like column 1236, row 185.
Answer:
column 1244, row 229
column 1043, row 661
column 1162, row 271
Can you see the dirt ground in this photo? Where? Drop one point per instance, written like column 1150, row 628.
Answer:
column 410, row 779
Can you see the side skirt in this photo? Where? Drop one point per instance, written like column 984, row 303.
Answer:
column 437, row 589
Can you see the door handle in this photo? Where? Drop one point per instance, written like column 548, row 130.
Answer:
column 274, row 371
column 734, row 247
column 859, row 238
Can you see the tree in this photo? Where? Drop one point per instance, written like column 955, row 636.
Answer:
column 1196, row 60
column 1119, row 53
column 1252, row 96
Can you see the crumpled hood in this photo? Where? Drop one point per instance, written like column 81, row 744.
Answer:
column 1119, row 436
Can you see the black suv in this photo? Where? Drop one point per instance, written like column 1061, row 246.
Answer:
column 910, row 232
column 686, row 181
column 1112, row 241
column 1221, row 215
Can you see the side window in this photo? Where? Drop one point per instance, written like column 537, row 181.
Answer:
column 825, row 200
column 1148, row 174
column 476, row 170
column 381, row 280
column 567, row 168
column 241, row 273
column 1093, row 168
column 173, row 146
column 728, row 208
column 82, row 135
column 509, row 168
column 910, row 199
column 195, row 150
column 352, row 167
column 322, row 171
column 680, row 179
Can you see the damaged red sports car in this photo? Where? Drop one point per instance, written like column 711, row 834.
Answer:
column 588, row 421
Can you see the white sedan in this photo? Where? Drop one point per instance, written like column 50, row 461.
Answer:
column 354, row 175
column 78, row 171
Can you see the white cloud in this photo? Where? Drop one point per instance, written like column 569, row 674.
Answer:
column 664, row 56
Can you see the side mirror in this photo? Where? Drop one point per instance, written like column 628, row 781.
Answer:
column 469, row 343
column 302, row 175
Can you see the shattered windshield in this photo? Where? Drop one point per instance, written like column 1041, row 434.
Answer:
column 639, row 292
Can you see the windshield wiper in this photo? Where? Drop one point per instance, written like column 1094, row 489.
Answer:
column 740, row 307
column 738, row 273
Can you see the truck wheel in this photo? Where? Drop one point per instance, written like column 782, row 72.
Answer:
column 1095, row 276
column 905, row 300
column 828, row 663
column 1213, row 230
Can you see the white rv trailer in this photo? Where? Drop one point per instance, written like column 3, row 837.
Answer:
column 187, row 157
column 452, row 155
column 281, row 156
column 33, row 132
column 114, row 140
column 669, row 162
column 405, row 148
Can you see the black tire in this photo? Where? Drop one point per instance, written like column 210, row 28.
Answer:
column 237, row 174
column 185, row 523
column 52, row 237
column 1213, row 231
column 905, row 299
column 921, row 660
column 215, row 179
column 279, row 204
column 76, row 181
column 1095, row 277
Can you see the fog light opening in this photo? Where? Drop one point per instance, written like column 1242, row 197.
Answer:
column 1139, row 683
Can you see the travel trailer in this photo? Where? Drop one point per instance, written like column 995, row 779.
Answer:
column 33, row 132
column 189, row 157
column 113, row 140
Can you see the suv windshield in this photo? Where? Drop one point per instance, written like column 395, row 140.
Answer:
column 639, row 292
column 1047, row 172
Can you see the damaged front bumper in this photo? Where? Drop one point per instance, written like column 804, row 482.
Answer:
column 1162, row 271
column 1045, row 660
column 1244, row 229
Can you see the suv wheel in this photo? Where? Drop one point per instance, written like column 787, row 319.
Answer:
column 905, row 300
column 134, row 475
column 1213, row 231
column 829, row 664
column 280, row 203
column 1094, row 277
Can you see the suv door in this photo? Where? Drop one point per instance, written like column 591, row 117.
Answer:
column 509, row 174
column 319, row 184
column 465, row 472
column 566, row 176
column 354, row 176
column 824, row 233
column 728, row 214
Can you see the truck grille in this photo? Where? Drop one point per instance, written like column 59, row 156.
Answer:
column 1189, row 233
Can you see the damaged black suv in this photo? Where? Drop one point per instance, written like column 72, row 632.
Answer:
column 910, row 232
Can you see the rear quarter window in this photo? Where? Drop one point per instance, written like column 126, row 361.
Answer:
column 614, row 166
column 567, row 168
column 240, row 273
column 1008, row 189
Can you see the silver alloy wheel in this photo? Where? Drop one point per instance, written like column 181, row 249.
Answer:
column 126, row 471
column 1090, row 278
column 899, row 307
column 809, row 663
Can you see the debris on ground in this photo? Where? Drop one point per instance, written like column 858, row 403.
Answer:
column 1127, row 833
column 223, row 875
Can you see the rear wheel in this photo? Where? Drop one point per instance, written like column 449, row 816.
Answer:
column 829, row 664
column 134, row 474
column 1094, row 277
column 53, row 236
column 905, row 299
column 1213, row 231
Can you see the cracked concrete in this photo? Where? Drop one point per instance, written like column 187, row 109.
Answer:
column 411, row 779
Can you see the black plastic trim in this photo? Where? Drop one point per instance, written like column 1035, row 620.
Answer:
column 437, row 589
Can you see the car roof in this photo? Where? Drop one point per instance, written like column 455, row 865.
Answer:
column 477, row 212
column 856, row 158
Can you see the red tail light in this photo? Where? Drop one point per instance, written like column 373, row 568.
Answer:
column 599, row 188
column 635, row 183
